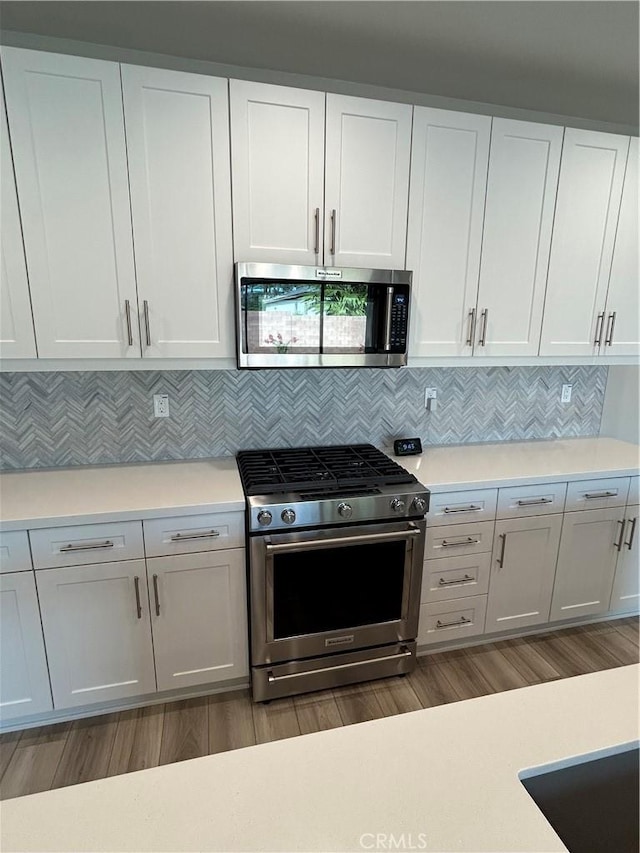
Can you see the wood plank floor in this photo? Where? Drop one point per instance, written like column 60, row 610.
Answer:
column 68, row 753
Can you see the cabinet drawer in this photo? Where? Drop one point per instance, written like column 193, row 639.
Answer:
column 597, row 494
column 189, row 533
column 455, row 577
column 53, row 547
column 518, row 501
column 15, row 555
column 634, row 491
column 457, row 539
column 457, row 507
column 452, row 620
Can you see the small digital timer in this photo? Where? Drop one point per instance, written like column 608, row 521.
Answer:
column 407, row 446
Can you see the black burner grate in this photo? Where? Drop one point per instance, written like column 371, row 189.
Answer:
column 323, row 469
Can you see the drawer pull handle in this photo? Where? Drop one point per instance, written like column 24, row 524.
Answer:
column 632, row 534
column 470, row 508
column 461, row 621
column 611, row 325
column 462, row 543
column 535, row 502
column 136, row 584
column 618, row 544
column 179, row 537
column 590, row 496
column 91, row 546
column 599, row 324
column 472, row 328
column 465, row 579
column 155, row 594
column 127, row 311
column 316, row 247
column 500, row 559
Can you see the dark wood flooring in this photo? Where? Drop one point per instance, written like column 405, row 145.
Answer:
column 68, row 753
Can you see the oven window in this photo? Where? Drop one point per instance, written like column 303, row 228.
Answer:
column 334, row 588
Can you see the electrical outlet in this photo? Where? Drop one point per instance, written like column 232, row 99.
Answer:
column 160, row 405
column 565, row 397
column 430, row 399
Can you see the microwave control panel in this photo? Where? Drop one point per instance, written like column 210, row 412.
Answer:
column 399, row 320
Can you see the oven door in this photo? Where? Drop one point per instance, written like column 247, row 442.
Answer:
column 325, row 591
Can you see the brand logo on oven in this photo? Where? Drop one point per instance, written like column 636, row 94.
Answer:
column 328, row 273
column 339, row 641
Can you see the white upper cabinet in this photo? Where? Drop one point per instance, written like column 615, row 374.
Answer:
column 177, row 129
column 67, row 131
column 277, row 139
column 449, row 158
column 518, row 221
column 591, row 178
column 17, row 339
column 622, row 329
column 368, row 145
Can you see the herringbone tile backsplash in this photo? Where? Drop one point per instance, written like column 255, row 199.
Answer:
column 54, row 419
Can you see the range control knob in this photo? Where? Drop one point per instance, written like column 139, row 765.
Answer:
column 345, row 510
column 264, row 517
column 288, row 516
column 397, row 505
column 419, row 505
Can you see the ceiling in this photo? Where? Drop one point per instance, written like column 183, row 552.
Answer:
column 570, row 57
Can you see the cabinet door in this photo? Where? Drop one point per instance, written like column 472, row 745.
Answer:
column 178, row 149
column 589, row 191
column 199, row 618
column 277, row 161
column 586, row 562
column 366, row 182
column 17, row 339
column 625, row 596
column 521, row 195
column 67, row 129
column 524, row 557
column 97, row 631
column 24, row 680
column 623, row 295
column 449, row 157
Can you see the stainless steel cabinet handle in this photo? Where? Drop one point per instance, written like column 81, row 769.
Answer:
column 618, row 544
column 485, row 321
column 332, row 250
column 592, row 496
column 316, row 247
column 632, row 534
column 90, row 546
column 472, row 327
column 180, row 537
column 535, row 502
column 136, row 583
column 599, row 324
column 155, row 594
column 387, row 319
column 271, row 677
column 500, row 559
column 147, row 325
column 313, row 544
column 611, row 325
column 465, row 579
column 467, row 541
column 470, row 508
column 127, row 313
column 461, row 621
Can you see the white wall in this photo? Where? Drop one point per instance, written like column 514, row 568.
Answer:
column 621, row 412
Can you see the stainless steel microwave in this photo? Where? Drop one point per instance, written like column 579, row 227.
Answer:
column 295, row 316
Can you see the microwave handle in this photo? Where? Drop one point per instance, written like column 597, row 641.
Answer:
column 387, row 320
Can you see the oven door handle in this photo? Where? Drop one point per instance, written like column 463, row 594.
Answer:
column 365, row 539
column 406, row 653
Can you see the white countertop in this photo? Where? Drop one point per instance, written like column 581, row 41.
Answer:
column 31, row 499
column 447, row 777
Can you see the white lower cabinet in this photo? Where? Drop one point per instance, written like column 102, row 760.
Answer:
column 24, row 680
column 522, row 571
column 444, row 621
column 96, row 627
column 587, row 562
column 199, row 617
column 625, row 595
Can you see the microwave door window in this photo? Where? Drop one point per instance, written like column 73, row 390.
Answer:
column 349, row 318
column 282, row 317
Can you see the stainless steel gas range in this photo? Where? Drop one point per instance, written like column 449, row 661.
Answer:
column 336, row 544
